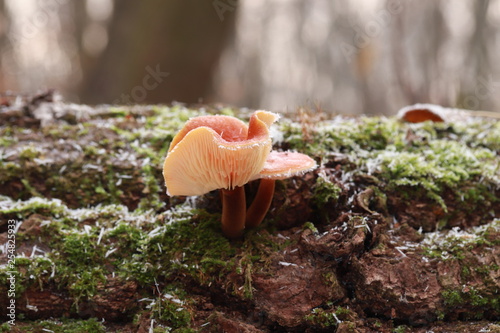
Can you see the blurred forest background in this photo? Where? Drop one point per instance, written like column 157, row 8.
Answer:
column 345, row 56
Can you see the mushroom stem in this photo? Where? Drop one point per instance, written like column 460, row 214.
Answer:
column 233, row 212
column 260, row 205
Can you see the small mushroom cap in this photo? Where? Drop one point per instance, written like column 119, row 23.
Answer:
column 282, row 165
column 213, row 152
column 421, row 112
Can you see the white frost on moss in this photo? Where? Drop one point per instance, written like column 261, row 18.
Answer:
column 456, row 238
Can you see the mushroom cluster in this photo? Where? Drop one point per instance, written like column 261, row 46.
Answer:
column 222, row 152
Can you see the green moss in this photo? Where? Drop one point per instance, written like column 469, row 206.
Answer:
column 320, row 317
column 464, row 272
column 78, row 260
column 452, row 297
column 487, row 269
column 145, row 139
column 6, row 141
column 64, row 326
column 9, row 170
column 151, row 177
column 5, row 327
column 66, row 131
column 90, row 151
column 341, row 135
column 227, row 112
column 100, row 190
column 342, row 312
column 29, row 152
column 310, row 226
column 456, row 244
column 440, row 165
column 96, row 186
column 325, row 192
column 6, row 274
column 293, row 133
column 484, row 134
column 247, row 286
column 158, row 247
column 171, row 311
column 76, row 263
column 401, row 329
column 152, row 244
column 205, row 255
column 126, row 236
column 116, row 112
column 413, row 160
column 440, row 315
column 33, row 205
column 171, row 250
column 330, row 317
column 480, row 301
column 332, row 281
column 39, row 269
column 30, row 189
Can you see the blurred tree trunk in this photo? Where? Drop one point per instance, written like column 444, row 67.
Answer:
column 3, row 40
column 478, row 50
column 149, row 39
column 478, row 59
column 417, row 85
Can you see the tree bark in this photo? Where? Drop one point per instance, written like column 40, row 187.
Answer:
column 339, row 249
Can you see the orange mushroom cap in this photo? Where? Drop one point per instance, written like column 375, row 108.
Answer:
column 418, row 113
column 213, row 152
column 422, row 112
column 282, row 165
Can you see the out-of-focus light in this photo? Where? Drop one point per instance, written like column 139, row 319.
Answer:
column 462, row 12
column 95, row 38
column 99, row 10
column 494, row 13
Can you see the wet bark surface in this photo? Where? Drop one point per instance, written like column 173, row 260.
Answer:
column 354, row 256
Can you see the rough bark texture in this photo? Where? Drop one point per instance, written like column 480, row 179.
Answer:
column 355, row 246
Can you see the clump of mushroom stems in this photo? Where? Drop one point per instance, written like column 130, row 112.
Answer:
column 235, row 217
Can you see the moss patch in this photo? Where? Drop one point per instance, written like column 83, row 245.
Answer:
column 60, row 326
column 97, row 225
column 425, row 160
